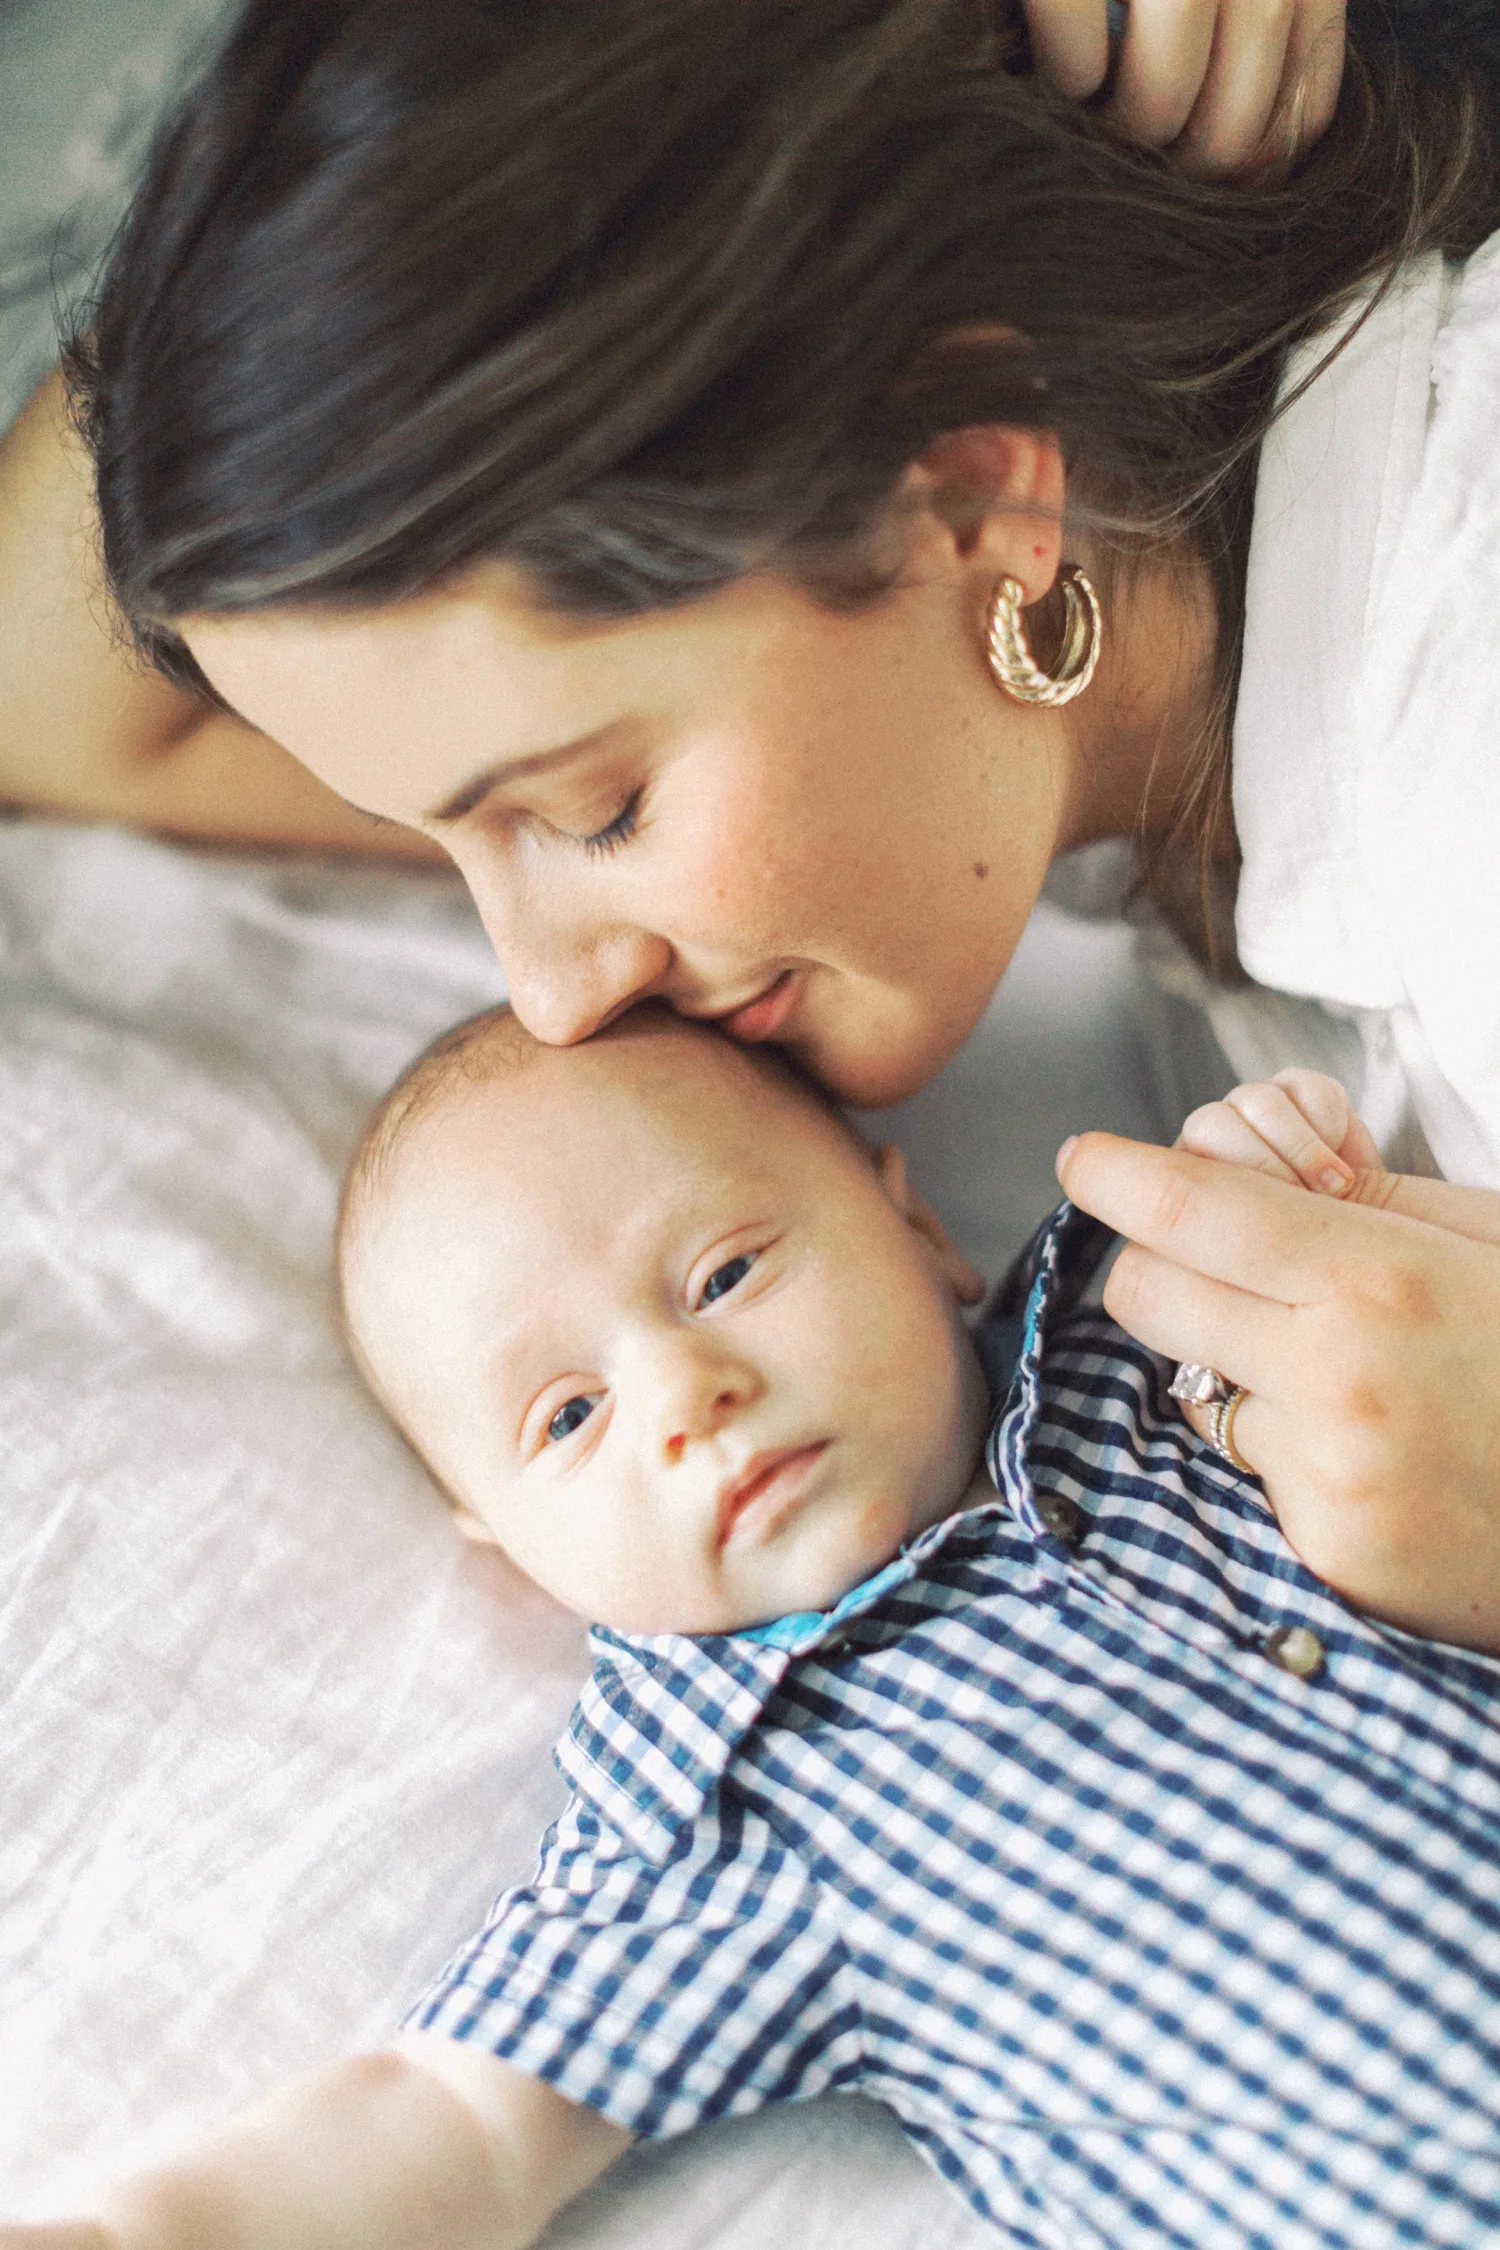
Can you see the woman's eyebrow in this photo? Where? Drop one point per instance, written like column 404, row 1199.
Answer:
column 516, row 769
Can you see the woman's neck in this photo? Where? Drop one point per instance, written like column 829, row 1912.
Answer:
column 1141, row 726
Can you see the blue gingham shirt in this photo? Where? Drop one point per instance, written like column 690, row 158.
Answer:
column 1143, row 1938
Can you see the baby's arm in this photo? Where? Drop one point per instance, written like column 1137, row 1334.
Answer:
column 430, row 2145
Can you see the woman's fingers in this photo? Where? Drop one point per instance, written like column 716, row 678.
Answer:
column 1240, row 90
column 1471, row 1212
column 1226, row 84
column 1184, row 1315
column 1164, row 59
column 1070, row 41
column 1270, row 87
column 1365, row 1332
column 1309, row 90
column 1220, row 1220
column 1230, row 86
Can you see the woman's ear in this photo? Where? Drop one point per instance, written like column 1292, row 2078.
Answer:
column 966, row 1283
column 997, row 492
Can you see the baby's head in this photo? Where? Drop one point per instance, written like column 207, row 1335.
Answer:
column 659, row 1320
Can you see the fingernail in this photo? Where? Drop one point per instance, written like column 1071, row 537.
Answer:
column 1065, row 1152
column 1331, row 1182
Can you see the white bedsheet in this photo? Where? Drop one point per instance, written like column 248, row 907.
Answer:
column 270, row 1733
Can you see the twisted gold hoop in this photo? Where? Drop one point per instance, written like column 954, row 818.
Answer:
column 1011, row 661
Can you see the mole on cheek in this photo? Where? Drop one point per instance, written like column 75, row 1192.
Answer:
column 981, row 868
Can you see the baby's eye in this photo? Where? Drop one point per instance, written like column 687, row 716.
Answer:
column 569, row 1418
column 724, row 1278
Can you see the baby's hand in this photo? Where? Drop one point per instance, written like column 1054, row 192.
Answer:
column 1298, row 1126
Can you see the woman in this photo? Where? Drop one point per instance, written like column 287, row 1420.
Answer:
column 609, row 439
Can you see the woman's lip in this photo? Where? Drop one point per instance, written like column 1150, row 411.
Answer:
column 767, row 1484
column 763, row 1017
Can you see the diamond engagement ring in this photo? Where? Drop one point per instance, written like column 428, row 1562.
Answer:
column 1221, row 1429
column 1197, row 1385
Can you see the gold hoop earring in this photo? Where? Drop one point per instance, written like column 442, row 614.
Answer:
column 1011, row 661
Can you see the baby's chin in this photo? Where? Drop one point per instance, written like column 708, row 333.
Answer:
column 810, row 1567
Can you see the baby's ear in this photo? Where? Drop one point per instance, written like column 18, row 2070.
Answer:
column 967, row 1285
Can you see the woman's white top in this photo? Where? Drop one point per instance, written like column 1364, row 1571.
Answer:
column 1367, row 734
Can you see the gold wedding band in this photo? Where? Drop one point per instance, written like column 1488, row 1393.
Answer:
column 1221, row 1429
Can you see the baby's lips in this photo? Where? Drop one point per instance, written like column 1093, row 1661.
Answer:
column 760, row 1478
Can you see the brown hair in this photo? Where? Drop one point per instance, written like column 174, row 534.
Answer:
column 642, row 295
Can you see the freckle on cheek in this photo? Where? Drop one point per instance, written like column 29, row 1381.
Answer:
column 981, row 868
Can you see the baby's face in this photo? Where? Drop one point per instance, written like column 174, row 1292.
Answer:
column 671, row 1336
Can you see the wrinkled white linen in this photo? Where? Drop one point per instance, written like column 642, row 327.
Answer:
column 270, row 1733
column 1367, row 734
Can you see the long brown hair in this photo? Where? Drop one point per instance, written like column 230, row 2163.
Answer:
column 643, row 295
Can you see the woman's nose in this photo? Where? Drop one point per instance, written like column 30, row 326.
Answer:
column 563, row 979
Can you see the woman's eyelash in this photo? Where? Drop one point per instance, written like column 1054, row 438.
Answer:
column 617, row 831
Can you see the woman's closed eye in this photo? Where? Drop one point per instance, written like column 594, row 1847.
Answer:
column 615, row 832
column 571, row 1416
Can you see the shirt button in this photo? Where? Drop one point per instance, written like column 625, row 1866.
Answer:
column 1296, row 1649
column 1061, row 1517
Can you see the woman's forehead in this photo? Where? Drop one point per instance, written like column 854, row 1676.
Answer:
column 465, row 641
column 470, row 666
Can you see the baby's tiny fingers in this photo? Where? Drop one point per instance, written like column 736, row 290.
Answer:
column 1219, row 1131
column 1321, row 1099
column 1270, row 1111
column 1329, row 1110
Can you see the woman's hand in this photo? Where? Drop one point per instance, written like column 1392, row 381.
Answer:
column 1364, row 1324
column 1230, row 86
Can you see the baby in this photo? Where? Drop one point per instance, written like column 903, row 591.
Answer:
column 1060, row 1808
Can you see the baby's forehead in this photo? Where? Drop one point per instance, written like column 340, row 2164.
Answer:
column 619, row 1109
column 556, row 1178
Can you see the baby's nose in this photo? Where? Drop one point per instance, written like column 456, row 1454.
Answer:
column 721, row 1406
column 702, row 1389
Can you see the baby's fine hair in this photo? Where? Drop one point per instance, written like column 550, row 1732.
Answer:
column 478, row 1049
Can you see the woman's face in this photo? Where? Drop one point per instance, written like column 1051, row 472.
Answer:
column 824, row 828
